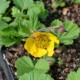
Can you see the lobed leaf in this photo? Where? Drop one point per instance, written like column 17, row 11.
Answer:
column 41, row 66
column 7, row 41
column 72, row 31
column 77, row 1
column 23, row 4
column 9, row 31
column 35, row 76
column 74, row 75
column 57, row 3
column 25, row 65
column 3, row 6
column 3, row 25
column 6, row 19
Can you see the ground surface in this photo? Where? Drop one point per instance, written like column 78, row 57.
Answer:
column 70, row 55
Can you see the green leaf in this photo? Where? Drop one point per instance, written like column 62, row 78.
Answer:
column 72, row 32
column 57, row 3
column 74, row 75
column 3, row 6
column 38, row 9
column 14, row 23
column 56, row 23
column 16, row 12
column 62, row 4
column 33, row 19
column 35, row 76
column 78, row 73
column 33, row 24
column 3, row 25
column 34, row 12
column 40, row 4
column 40, row 25
column 24, row 65
column 7, row 41
column 42, row 66
column 24, row 31
column 59, row 61
column 6, row 19
column 23, row 4
column 77, row 1
column 9, row 31
column 44, row 15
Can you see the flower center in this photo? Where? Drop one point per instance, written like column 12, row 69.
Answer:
column 41, row 41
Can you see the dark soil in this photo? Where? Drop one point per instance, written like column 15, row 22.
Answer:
column 70, row 55
column 70, row 61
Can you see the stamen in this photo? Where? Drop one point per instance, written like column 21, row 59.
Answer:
column 41, row 41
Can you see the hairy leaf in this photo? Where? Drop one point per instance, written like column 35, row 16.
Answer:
column 15, row 12
column 42, row 66
column 3, row 6
column 7, row 41
column 3, row 25
column 77, row 1
column 56, row 23
column 23, row 4
column 24, row 31
column 9, row 31
column 38, row 9
column 74, row 75
column 6, row 19
column 72, row 31
column 57, row 3
column 24, row 65
column 35, row 76
column 34, row 24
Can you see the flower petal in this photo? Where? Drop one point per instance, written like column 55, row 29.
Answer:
column 56, row 41
column 53, row 38
column 40, row 52
column 35, row 44
column 30, row 46
column 50, row 49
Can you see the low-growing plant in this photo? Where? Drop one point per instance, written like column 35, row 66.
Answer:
column 62, row 3
column 42, row 43
column 21, row 21
column 71, row 33
column 35, row 76
column 77, row 1
column 27, row 68
column 57, row 3
column 31, row 65
column 74, row 75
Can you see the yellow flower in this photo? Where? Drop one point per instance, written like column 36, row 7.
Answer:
column 40, row 44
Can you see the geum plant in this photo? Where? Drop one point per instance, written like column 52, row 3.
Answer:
column 41, row 44
column 62, row 3
column 74, row 75
column 40, row 40
column 22, row 22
